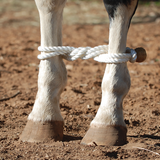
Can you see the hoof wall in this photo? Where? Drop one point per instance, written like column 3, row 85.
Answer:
column 42, row 131
column 108, row 136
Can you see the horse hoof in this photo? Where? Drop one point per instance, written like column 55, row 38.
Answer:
column 42, row 131
column 108, row 136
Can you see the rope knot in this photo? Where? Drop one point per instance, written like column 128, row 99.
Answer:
column 98, row 53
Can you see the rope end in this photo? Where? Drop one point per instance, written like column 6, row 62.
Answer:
column 141, row 54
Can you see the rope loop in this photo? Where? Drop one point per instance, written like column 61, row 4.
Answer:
column 98, row 53
column 133, row 56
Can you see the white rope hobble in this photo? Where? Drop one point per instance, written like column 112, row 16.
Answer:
column 98, row 53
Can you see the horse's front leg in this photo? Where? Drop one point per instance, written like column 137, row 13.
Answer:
column 108, row 126
column 45, row 121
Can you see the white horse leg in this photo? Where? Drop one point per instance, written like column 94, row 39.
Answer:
column 45, row 121
column 108, row 126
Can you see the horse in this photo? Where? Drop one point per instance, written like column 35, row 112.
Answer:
column 45, row 120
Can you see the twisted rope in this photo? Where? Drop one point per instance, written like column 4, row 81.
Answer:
column 98, row 53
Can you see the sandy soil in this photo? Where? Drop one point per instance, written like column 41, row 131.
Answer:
column 82, row 95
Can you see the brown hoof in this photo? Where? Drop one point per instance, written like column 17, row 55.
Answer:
column 109, row 136
column 42, row 131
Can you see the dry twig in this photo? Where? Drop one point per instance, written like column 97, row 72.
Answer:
column 7, row 98
column 147, row 150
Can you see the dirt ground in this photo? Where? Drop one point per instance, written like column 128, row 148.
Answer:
column 82, row 95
